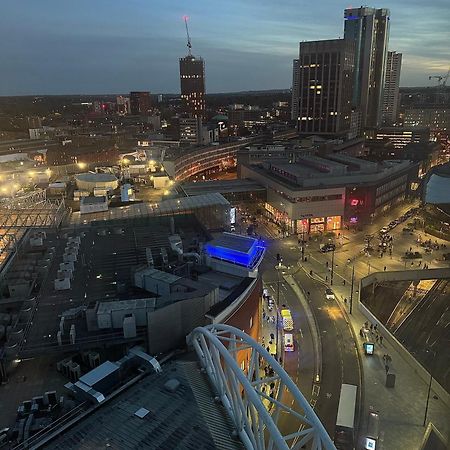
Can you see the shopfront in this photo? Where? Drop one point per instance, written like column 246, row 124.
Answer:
column 319, row 224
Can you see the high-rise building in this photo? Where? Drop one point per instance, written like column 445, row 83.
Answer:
column 325, row 73
column 192, row 79
column 368, row 28
column 140, row 103
column 123, row 105
column 391, row 88
column 295, row 90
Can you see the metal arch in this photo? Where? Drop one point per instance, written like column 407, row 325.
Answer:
column 243, row 393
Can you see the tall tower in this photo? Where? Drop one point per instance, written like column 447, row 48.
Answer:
column 368, row 28
column 391, row 88
column 192, row 80
column 295, row 90
column 325, row 74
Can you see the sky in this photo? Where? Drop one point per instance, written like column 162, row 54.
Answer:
column 116, row 46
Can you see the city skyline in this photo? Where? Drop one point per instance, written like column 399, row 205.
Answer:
column 107, row 48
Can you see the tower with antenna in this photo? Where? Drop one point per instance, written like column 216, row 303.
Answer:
column 192, row 81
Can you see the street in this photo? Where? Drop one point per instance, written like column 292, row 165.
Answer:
column 323, row 340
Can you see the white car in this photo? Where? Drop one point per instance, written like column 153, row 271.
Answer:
column 329, row 294
column 384, row 230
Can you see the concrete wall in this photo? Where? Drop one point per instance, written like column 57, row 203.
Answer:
column 169, row 326
column 405, row 275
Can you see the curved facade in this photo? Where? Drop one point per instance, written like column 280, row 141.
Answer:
column 89, row 181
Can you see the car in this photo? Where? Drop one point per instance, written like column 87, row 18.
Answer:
column 384, row 230
column 408, row 230
column 329, row 294
column 328, row 248
column 288, row 342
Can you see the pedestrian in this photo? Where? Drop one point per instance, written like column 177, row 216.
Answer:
column 377, row 337
column 381, row 340
column 385, row 268
column 386, row 368
column 263, row 341
column 410, row 249
column 361, row 333
column 371, row 327
column 345, row 300
column 366, row 324
column 264, row 314
column 343, row 282
column 375, row 327
column 326, row 277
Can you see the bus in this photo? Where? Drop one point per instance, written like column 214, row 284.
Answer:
column 344, row 433
column 288, row 323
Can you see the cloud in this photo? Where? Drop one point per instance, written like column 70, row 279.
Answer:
column 116, row 46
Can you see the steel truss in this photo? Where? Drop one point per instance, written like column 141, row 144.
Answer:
column 255, row 413
column 32, row 210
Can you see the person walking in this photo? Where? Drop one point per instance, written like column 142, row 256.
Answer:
column 384, row 268
column 381, row 340
column 371, row 327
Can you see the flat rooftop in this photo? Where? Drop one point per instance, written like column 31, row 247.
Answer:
column 147, row 415
column 104, row 271
column 144, row 209
column 221, row 186
column 312, row 172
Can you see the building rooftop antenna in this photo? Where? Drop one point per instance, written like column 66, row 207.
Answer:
column 189, row 45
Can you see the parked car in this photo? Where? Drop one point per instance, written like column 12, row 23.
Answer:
column 327, row 248
column 384, row 230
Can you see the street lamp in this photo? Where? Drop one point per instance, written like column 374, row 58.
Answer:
column 332, row 267
column 351, row 289
column 429, row 389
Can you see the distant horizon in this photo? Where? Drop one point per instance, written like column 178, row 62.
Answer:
column 57, row 48
column 178, row 94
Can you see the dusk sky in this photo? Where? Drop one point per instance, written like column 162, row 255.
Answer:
column 114, row 46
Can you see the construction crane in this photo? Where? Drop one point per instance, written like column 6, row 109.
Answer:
column 442, row 79
column 189, row 45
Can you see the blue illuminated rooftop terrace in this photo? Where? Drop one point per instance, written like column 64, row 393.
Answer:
column 241, row 250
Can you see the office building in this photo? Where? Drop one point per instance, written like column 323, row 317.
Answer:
column 437, row 118
column 325, row 71
column 391, row 88
column 318, row 194
column 140, row 103
column 368, row 28
column 123, row 105
column 295, row 90
column 192, row 80
column 402, row 136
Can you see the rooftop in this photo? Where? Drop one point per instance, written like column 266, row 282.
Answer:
column 148, row 415
column 221, row 186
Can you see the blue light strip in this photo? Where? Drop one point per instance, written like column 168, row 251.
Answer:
column 235, row 256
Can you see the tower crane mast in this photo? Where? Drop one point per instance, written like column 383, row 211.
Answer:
column 189, row 45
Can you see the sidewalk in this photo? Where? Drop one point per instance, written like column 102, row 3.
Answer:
column 401, row 408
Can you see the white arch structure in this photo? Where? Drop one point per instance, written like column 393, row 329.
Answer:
column 243, row 394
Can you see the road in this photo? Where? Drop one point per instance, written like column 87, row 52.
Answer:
column 338, row 353
column 338, row 356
